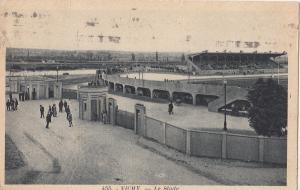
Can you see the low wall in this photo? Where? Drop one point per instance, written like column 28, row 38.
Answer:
column 125, row 119
column 220, row 145
column 155, row 129
column 69, row 94
column 206, row 144
column 176, row 137
column 275, row 150
column 242, row 147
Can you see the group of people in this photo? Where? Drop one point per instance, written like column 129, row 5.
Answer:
column 12, row 104
column 53, row 112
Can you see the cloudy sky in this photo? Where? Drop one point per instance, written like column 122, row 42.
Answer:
column 182, row 26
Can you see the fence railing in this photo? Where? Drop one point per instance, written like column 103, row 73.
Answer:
column 212, row 144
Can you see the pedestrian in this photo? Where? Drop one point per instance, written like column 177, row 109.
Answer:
column 70, row 119
column 50, row 112
column 60, row 105
column 68, row 111
column 65, row 105
column 16, row 104
column 171, row 108
column 48, row 120
column 54, row 110
column 12, row 104
column 8, row 105
column 42, row 111
column 104, row 117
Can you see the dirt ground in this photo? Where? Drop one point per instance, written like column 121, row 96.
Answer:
column 94, row 153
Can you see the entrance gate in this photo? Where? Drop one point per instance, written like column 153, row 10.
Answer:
column 111, row 111
column 94, row 110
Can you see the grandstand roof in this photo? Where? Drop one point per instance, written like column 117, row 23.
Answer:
column 266, row 54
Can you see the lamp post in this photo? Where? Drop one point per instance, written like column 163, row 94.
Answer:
column 225, row 111
column 278, row 72
column 56, row 73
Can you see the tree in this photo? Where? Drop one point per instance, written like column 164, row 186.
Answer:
column 268, row 111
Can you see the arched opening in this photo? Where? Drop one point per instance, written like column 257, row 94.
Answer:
column 203, row 100
column 129, row 89
column 183, row 97
column 143, row 92
column 161, row 94
column 111, row 86
column 119, row 87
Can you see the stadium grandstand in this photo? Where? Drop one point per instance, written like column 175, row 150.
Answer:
column 235, row 61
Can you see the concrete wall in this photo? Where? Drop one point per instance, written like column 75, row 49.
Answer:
column 220, row 145
column 176, row 138
column 242, row 147
column 275, row 150
column 155, row 129
column 206, row 144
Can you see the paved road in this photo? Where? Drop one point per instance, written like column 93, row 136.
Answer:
column 88, row 153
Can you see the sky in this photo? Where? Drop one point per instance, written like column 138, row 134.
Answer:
column 180, row 26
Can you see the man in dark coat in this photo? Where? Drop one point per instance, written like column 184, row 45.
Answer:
column 42, row 111
column 8, row 105
column 65, row 105
column 60, row 105
column 48, row 120
column 170, row 108
column 70, row 119
column 16, row 104
column 50, row 112
column 12, row 105
column 68, row 111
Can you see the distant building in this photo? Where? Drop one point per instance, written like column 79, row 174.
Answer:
column 35, row 88
column 235, row 61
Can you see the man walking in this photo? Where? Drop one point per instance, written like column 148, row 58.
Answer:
column 16, row 104
column 12, row 104
column 68, row 111
column 60, row 105
column 48, row 120
column 54, row 110
column 42, row 111
column 70, row 119
column 65, row 105
column 8, row 105
column 171, row 108
column 50, row 113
